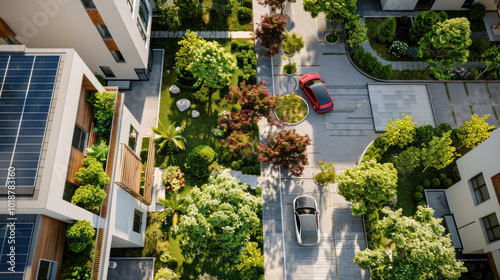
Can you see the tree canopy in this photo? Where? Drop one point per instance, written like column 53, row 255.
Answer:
column 400, row 132
column 491, row 59
column 424, row 22
column 270, row 32
column 417, row 249
column 439, row 152
column 475, row 131
column 219, row 219
column 184, row 55
column 368, row 185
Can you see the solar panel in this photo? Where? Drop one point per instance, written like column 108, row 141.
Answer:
column 22, row 233
column 26, row 89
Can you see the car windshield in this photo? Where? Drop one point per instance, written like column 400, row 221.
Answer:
column 321, row 93
column 309, row 237
column 303, row 211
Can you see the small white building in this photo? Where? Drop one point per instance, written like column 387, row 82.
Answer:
column 45, row 126
column 474, row 201
column 111, row 36
column 446, row 5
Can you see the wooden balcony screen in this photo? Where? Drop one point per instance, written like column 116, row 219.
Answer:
column 130, row 174
column 75, row 163
column 148, row 173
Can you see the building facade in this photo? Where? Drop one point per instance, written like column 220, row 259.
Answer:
column 447, row 5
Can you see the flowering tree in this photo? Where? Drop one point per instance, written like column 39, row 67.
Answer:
column 219, row 219
column 239, row 143
column 475, row 131
column 287, row 149
column 184, row 56
column 274, row 4
column 417, row 249
column 270, row 33
column 368, row 186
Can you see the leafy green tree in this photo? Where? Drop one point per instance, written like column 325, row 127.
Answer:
column 270, row 32
column 79, row 235
column 169, row 16
column 406, row 161
column 292, row 44
column 445, row 44
column 166, row 273
column 287, row 149
column 386, row 31
column 400, row 132
column 356, row 31
column 184, row 56
column 170, row 139
column 475, row 131
column 336, row 10
column 251, row 262
column 439, row 152
column 219, row 219
column 424, row 22
column 491, row 59
column 190, row 9
column 92, row 173
column 417, row 249
column 368, row 186
column 173, row 205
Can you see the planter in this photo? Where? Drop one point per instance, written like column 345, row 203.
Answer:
column 314, row 178
column 286, row 55
column 289, row 74
column 331, row 43
column 298, row 122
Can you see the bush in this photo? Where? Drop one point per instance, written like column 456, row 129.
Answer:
column 247, row 4
column 234, row 46
column 166, row 274
column 447, row 183
column 424, row 133
column 103, row 107
column 88, row 196
column 426, row 183
column 172, row 263
column 412, row 52
column 477, row 48
column 436, row 182
column 418, row 196
column 398, row 49
column 173, row 179
column 244, row 15
column 442, row 176
column 235, row 165
column 199, row 159
column 258, row 191
column 422, row 203
column 424, row 22
column 477, row 12
column 441, row 129
column 386, row 31
column 387, row 72
column 92, row 173
column 187, row 81
column 419, row 188
column 378, row 69
column 79, row 235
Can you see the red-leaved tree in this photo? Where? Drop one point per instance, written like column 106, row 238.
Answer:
column 274, row 4
column 287, row 149
column 270, row 32
column 243, row 120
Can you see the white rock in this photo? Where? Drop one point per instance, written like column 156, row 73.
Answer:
column 195, row 114
column 174, row 89
column 183, row 104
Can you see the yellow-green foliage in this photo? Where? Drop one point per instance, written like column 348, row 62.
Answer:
column 439, row 152
column 475, row 131
column 400, row 132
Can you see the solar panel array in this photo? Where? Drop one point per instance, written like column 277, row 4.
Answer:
column 26, row 88
column 22, row 234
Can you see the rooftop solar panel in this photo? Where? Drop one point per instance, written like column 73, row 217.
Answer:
column 26, row 89
column 22, row 233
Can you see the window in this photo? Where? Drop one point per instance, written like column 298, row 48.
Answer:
column 144, row 13
column 143, row 34
column 117, row 55
column 491, row 227
column 129, row 2
column 11, row 41
column 132, row 138
column 69, row 191
column 80, row 137
column 467, row 3
column 104, row 31
column 46, row 270
column 479, row 189
column 107, row 71
column 142, row 74
column 137, row 221
column 88, row 4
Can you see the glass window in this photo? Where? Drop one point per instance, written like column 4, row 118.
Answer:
column 88, row 4
column 106, row 70
column 141, row 73
column 479, row 189
column 491, row 227
column 137, row 221
column 104, row 31
column 144, row 13
column 80, row 137
column 117, row 55
column 143, row 34
column 69, row 191
column 132, row 138
column 47, row 270
column 129, row 2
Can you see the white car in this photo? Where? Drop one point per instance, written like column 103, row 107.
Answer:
column 306, row 217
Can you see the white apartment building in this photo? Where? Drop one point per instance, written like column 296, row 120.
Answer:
column 474, row 201
column 111, row 36
column 45, row 126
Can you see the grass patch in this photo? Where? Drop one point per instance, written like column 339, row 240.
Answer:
column 454, row 118
column 466, row 89
column 410, row 75
column 471, row 110
column 488, row 90
column 495, row 112
column 447, row 91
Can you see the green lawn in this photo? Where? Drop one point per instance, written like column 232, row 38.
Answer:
column 411, row 75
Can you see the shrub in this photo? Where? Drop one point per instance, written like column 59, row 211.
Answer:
column 166, row 274
column 477, row 12
column 477, row 48
column 387, row 72
column 447, row 183
column 235, row 165
column 463, row 73
column 199, row 159
column 234, row 46
column 357, row 53
column 412, row 52
column 441, row 129
column 386, row 31
column 422, row 203
column 424, row 133
column 258, row 191
column 251, row 262
column 99, row 151
column 187, row 81
column 172, row 263
column 426, row 183
column 79, row 235
column 398, row 49
column 103, row 107
column 419, row 188
column 80, row 273
column 364, row 60
column 442, row 176
column 244, row 15
column 247, row 3
column 92, row 173
column 436, row 182
column 424, row 22
column 417, row 196
column 378, row 69
column 173, row 179
column 88, row 196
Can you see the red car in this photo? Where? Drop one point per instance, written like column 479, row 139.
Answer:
column 316, row 91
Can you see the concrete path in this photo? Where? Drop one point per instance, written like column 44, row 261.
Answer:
column 204, row 34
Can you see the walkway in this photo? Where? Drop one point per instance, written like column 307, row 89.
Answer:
column 204, row 34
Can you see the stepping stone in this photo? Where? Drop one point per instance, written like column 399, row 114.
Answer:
column 183, row 104
column 195, row 114
column 174, row 89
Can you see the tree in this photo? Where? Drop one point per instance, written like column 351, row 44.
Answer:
column 368, row 186
column 386, row 31
column 270, row 32
column 439, row 152
column 184, row 55
column 169, row 16
column 99, row 151
column 219, row 218
column 166, row 273
column 190, row 9
column 417, row 249
column 400, row 132
column 79, row 235
column 475, row 131
column 491, row 59
column 356, row 31
column 286, row 149
column 213, row 66
column 406, row 161
column 424, row 22
column 336, row 10
column 172, row 205
column 170, row 139
column 251, row 262
column 274, row 4
column 291, row 45
column 199, row 159
column 445, row 44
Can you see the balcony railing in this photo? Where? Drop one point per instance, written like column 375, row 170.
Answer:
column 129, row 177
column 148, row 173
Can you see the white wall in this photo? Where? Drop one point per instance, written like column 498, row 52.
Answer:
column 484, row 158
column 398, row 5
column 448, row 5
